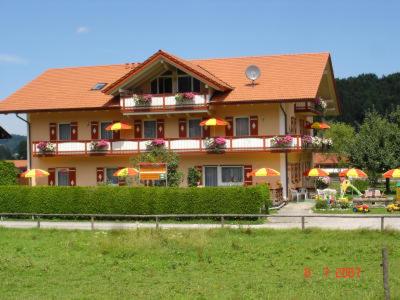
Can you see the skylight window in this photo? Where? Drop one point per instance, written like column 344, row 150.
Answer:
column 98, row 86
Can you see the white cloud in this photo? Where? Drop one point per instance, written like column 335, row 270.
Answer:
column 11, row 59
column 82, row 29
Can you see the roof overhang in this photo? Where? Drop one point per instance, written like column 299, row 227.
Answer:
column 4, row 134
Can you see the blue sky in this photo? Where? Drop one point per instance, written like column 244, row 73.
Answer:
column 362, row 36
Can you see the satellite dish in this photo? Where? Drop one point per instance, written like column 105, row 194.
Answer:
column 252, row 73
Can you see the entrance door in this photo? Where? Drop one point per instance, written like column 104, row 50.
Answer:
column 211, row 176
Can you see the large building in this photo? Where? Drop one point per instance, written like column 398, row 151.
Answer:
column 68, row 110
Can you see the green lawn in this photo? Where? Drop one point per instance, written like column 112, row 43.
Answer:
column 200, row 264
column 378, row 210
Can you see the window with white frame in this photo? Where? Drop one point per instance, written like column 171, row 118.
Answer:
column 64, row 132
column 105, row 134
column 109, row 177
column 162, row 84
column 242, row 126
column 194, row 128
column 62, row 178
column 149, row 129
column 223, row 175
column 187, row 83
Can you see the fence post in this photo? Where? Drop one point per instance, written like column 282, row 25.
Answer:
column 382, row 223
column 222, row 221
column 157, row 222
column 92, row 223
column 303, row 225
column 385, row 267
column 38, row 222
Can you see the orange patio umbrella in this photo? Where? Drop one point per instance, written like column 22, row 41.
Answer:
column 316, row 172
column 214, row 122
column 125, row 172
column 394, row 173
column 353, row 172
column 318, row 125
column 33, row 173
column 263, row 172
column 118, row 126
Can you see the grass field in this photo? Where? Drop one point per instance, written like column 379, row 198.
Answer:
column 200, row 264
column 377, row 210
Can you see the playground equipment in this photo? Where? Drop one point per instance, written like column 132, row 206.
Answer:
column 345, row 185
column 364, row 208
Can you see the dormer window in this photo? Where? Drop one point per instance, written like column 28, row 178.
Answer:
column 98, row 86
column 187, row 83
column 162, row 84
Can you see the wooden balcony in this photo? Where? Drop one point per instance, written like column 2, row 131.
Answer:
column 180, row 145
column 306, row 108
column 164, row 103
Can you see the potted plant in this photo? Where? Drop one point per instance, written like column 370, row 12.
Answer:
column 326, row 143
column 156, row 143
column 306, row 141
column 282, row 141
column 215, row 145
column 184, row 98
column 46, row 147
column 142, row 100
column 101, row 145
column 320, row 104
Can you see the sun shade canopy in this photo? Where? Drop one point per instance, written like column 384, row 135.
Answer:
column 394, row 173
column 353, row 172
column 316, row 172
column 33, row 173
column 118, row 126
column 263, row 172
column 214, row 122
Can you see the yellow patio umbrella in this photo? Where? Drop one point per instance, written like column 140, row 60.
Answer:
column 214, row 122
column 125, row 172
column 264, row 172
column 353, row 172
column 394, row 173
column 33, row 173
column 320, row 125
column 316, row 172
column 118, row 126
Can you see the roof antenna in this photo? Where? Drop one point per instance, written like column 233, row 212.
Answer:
column 253, row 73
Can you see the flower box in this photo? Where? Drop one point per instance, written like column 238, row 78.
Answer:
column 142, row 100
column 184, row 98
column 215, row 145
column 282, row 141
column 320, row 104
column 46, row 147
column 156, row 143
column 96, row 146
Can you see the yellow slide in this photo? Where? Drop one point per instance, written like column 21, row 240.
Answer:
column 345, row 185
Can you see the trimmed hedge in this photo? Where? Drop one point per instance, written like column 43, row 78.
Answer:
column 137, row 200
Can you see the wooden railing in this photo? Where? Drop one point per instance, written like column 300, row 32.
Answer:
column 164, row 102
column 306, row 107
column 182, row 145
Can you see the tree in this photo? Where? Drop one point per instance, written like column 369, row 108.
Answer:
column 21, row 150
column 158, row 154
column 342, row 136
column 375, row 147
column 5, row 152
column 8, row 173
column 193, row 177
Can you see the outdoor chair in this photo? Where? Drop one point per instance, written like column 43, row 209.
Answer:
column 295, row 195
column 304, row 192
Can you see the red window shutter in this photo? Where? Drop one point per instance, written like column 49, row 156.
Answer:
column 99, row 175
column 160, row 128
column 94, row 130
column 248, row 178
column 182, row 128
column 53, row 131
column 72, row 176
column 229, row 127
column 51, row 179
column 138, row 129
column 206, row 130
column 254, row 125
column 74, row 131
column 200, row 169
column 116, row 134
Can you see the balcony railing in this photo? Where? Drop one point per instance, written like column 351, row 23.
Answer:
column 306, row 108
column 164, row 102
column 181, row 145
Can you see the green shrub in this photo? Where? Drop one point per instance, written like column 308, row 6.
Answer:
column 321, row 204
column 138, row 200
column 361, row 185
column 193, row 177
column 8, row 173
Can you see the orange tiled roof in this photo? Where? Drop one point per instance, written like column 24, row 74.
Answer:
column 283, row 77
column 327, row 159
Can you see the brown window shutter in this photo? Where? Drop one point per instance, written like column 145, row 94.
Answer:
column 200, row 169
column 254, row 125
column 74, row 131
column 160, row 128
column 206, row 130
column 51, row 179
column 99, row 175
column 53, row 131
column 248, row 179
column 138, row 129
column 229, row 127
column 182, row 128
column 72, row 176
column 94, row 130
column 116, row 134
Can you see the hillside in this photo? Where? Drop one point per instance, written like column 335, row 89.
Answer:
column 17, row 144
